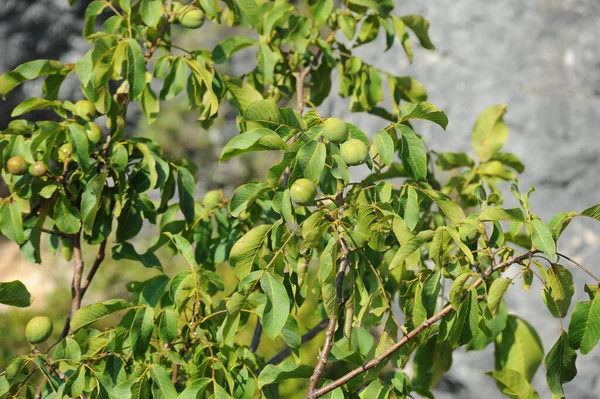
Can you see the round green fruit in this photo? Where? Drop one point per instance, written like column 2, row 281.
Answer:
column 85, row 109
column 38, row 329
column 335, row 130
column 192, row 18
column 353, row 152
column 94, row 134
column 38, row 169
column 17, row 166
column 64, row 152
column 303, row 192
column 213, row 199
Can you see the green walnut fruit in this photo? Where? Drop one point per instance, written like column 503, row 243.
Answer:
column 17, row 166
column 191, row 18
column 38, row 169
column 303, row 192
column 94, row 134
column 335, row 130
column 38, row 329
column 85, row 109
column 64, row 152
column 353, row 152
column 176, row 7
column 213, row 199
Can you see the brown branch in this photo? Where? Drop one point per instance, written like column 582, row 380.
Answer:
column 300, row 88
column 90, row 276
column 579, row 265
column 427, row 323
column 310, row 334
column 329, row 332
column 78, row 289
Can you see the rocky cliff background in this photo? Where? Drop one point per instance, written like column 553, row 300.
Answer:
column 541, row 57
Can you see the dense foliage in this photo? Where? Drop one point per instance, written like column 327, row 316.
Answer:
column 400, row 267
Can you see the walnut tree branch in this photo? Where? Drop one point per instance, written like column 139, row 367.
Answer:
column 412, row 334
column 329, row 332
column 310, row 334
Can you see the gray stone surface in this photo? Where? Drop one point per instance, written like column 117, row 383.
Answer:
column 542, row 58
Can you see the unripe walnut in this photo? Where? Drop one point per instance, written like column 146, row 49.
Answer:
column 335, row 130
column 38, row 329
column 303, row 192
column 353, row 152
column 17, row 166
column 191, row 18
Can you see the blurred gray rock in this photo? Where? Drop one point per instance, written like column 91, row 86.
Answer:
column 542, row 58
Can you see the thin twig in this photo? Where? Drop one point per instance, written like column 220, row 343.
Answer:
column 57, row 233
column 310, row 334
column 78, row 289
column 90, row 276
column 256, row 337
column 581, row 267
column 330, row 331
column 426, row 324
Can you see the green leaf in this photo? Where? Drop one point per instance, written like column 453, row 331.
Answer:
column 382, row 7
column 452, row 160
column 11, row 221
column 186, row 187
column 385, row 147
column 320, row 10
column 283, row 121
column 584, row 327
column 227, row 47
column 494, row 213
column 164, row 388
column 411, row 209
column 152, row 11
column 175, row 81
column 277, row 308
column 14, row 293
column 311, row 159
column 449, row 208
column 513, row 384
column 272, row 374
column 94, row 312
column 519, row 348
column 78, row 139
column 32, row 104
column 407, row 248
column 542, row 238
column 260, row 139
column 91, row 12
column 141, row 332
column 420, row 26
column 465, row 327
column 558, row 290
column 184, row 247
column 27, row 71
column 423, row 110
column 560, row 365
column 244, row 252
column 167, row 327
column 90, row 201
column 413, row 153
column 490, row 132
column 593, row 212
column 195, row 389
column 403, row 37
column 66, row 216
column 496, row 293
column 136, row 69
column 245, row 195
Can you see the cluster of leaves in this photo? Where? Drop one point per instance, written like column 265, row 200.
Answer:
column 364, row 256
